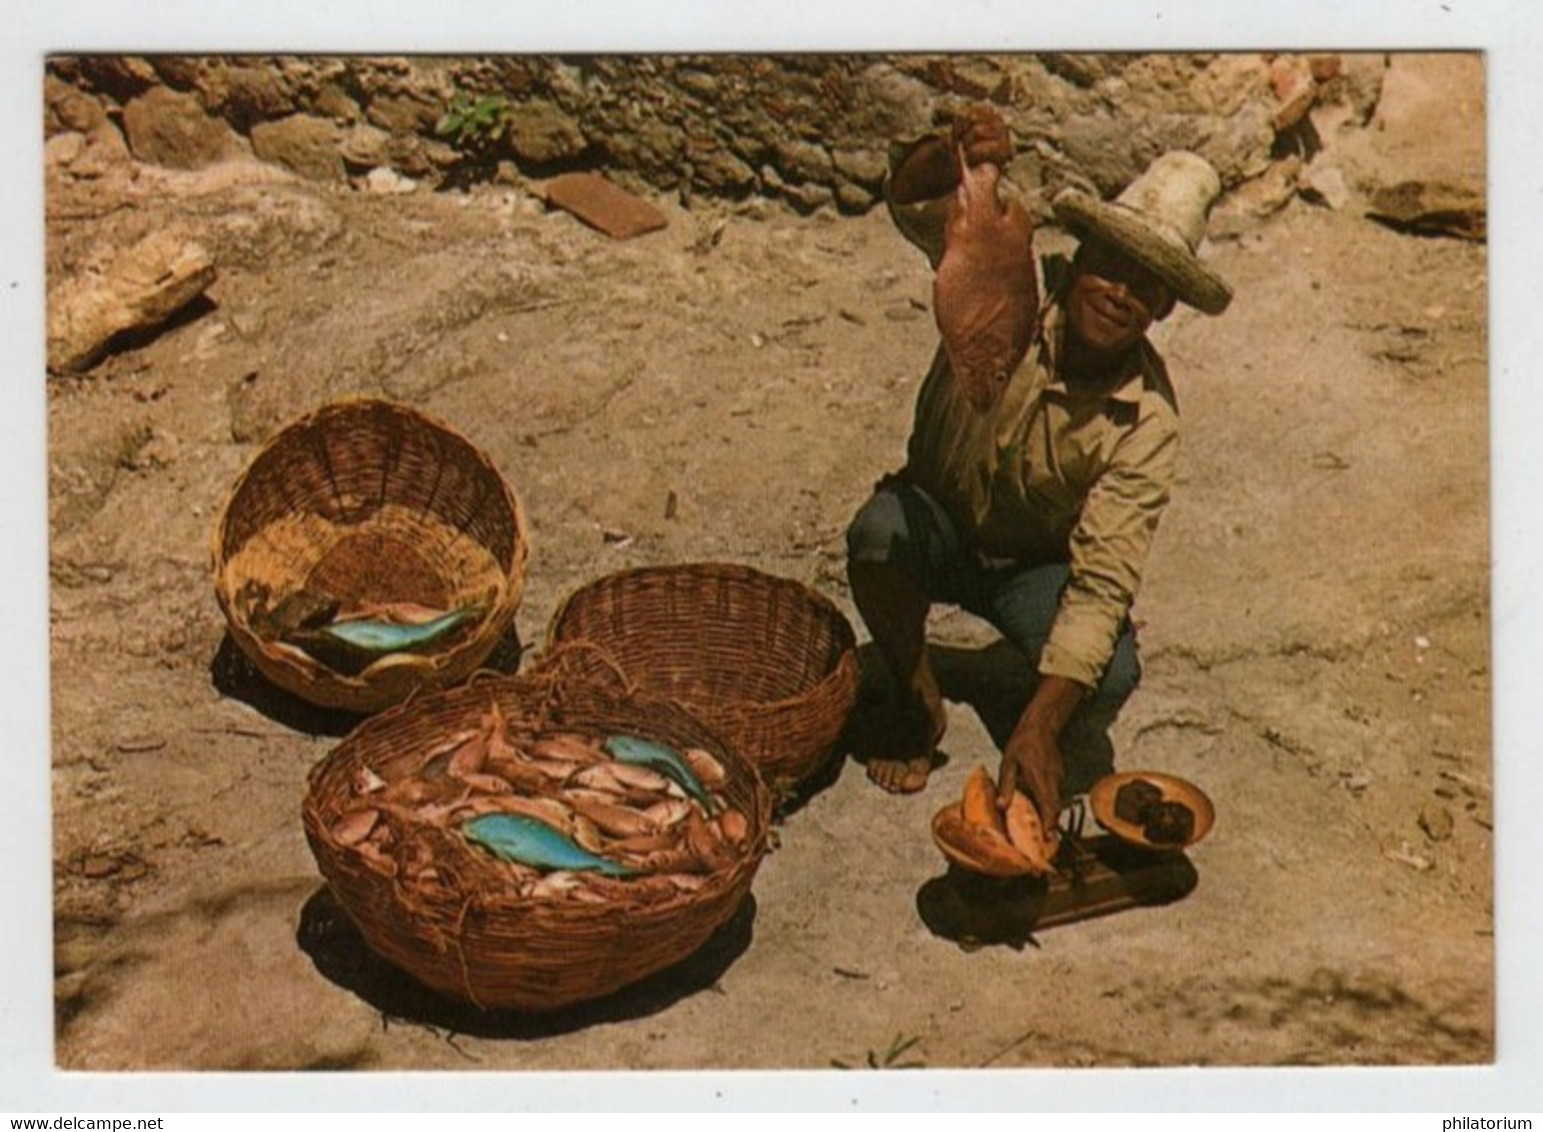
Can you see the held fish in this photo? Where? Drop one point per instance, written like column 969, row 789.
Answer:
column 656, row 756
column 985, row 295
column 527, row 841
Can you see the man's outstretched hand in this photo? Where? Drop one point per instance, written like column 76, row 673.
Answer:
column 1031, row 761
column 932, row 170
column 981, row 135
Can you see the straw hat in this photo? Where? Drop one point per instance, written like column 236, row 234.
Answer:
column 1159, row 221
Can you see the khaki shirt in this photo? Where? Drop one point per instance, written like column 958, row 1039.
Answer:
column 1052, row 474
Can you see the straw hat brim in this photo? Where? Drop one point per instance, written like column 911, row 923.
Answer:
column 1172, row 262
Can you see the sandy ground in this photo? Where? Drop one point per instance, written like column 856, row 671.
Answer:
column 1316, row 641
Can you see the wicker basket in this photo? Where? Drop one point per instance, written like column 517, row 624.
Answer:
column 766, row 661
column 367, row 500
column 469, row 935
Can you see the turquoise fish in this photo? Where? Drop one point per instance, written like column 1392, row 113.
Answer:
column 352, row 646
column 656, row 756
column 386, row 637
column 516, row 837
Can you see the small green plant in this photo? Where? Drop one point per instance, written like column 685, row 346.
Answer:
column 890, row 1058
column 476, row 125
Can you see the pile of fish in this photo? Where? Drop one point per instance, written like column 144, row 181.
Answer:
column 568, row 816
column 976, row 834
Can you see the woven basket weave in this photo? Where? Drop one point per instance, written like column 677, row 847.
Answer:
column 369, row 500
column 469, row 935
column 766, row 661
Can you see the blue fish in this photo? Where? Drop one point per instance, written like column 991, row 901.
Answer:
column 385, row 637
column 656, row 756
column 516, row 837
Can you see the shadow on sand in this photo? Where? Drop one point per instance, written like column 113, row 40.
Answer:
column 340, row 954
column 234, row 675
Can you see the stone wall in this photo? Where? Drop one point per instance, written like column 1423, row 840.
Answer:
column 812, row 130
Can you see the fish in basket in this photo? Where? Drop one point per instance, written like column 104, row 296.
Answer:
column 519, row 854
column 367, row 552
column 769, row 662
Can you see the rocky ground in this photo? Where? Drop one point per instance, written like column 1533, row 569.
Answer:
column 1316, row 621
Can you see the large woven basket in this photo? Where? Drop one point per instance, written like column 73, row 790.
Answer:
column 370, row 501
column 470, row 935
column 765, row 660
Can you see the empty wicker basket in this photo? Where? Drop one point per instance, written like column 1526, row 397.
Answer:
column 467, row 933
column 370, row 501
column 765, row 660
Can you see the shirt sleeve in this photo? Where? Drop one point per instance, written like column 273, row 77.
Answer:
column 1109, row 547
column 921, row 222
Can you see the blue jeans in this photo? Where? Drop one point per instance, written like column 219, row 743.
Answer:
column 902, row 526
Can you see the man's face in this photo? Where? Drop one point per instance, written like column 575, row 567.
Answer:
column 1113, row 300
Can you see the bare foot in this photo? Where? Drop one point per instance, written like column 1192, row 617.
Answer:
column 908, row 774
column 900, row 776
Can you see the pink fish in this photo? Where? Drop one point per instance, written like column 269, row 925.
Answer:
column 984, row 296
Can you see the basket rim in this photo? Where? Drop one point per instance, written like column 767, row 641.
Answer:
column 730, row 569
column 843, row 625
column 355, row 403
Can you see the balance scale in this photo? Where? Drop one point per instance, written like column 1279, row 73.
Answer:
column 1094, row 876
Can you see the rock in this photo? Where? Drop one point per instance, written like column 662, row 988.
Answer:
column 804, row 198
column 406, row 113
column 898, row 105
column 866, row 167
column 702, row 83
column 1436, row 821
column 1423, row 126
column 1102, row 148
column 971, row 77
column 139, row 289
column 803, row 161
column 1295, row 92
column 854, row 199
column 1081, row 70
column 332, row 101
column 1256, row 199
column 67, row 108
column 1431, row 208
column 388, row 181
column 62, row 150
column 1229, row 83
column 1240, row 147
column 422, row 157
column 1358, row 85
column 542, row 134
column 1323, row 68
column 365, row 145
column 716, row 168
column 1325, row 185
column 120, row 76
column 303, row 144
column 166, row 128
column 257, row 93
